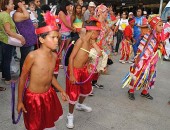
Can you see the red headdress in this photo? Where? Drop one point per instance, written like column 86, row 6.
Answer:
column 154, row 20
column 51, row 22
column 97, row 27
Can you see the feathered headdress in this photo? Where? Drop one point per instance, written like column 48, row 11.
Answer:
column 51, row 21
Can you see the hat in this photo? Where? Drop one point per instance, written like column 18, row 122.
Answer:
column 92, row 4
column 154, row 20
column 99, row 9
column 130, row 13
column 51, row 24
column 144, row 12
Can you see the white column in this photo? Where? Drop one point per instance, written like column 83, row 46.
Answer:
column 160, row 8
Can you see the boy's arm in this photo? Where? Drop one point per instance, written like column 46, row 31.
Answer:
column 72, row 56
column 57, row 85
column 24, row 75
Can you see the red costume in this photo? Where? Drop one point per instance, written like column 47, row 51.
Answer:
column 126, row 47
column 73, row 90
column 43, row 109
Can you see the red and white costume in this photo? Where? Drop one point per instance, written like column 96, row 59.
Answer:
column 126, row 47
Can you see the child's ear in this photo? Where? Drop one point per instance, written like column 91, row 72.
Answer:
column 41, row 40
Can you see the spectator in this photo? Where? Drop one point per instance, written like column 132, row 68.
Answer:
column 83, row 10
column 120, row 26
column 77, row 21
column 39, row 11
column 89, row 12
column 26, row 29
column 131, row 15
column 7, row 27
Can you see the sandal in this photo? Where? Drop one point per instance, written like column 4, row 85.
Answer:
column 2, row 89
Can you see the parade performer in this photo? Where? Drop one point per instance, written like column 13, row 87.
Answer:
column 78, row 71
column 143, row 71
column 40, row 103
column 101, row 13
column 127, row 42
column 167, row 36
column 140, row 22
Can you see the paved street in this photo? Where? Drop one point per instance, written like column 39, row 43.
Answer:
column 112, row 110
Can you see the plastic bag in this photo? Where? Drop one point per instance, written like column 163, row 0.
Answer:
column 14, row 67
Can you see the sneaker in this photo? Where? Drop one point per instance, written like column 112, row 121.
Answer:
column 98, row 86
column 131, row 96
column 122, row 61
column 130, row 62
column 83, row 107
column 70, row 120
column 148, row 96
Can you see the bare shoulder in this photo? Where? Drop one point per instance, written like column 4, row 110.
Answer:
column 32, row 54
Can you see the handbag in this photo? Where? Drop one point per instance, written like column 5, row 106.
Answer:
column 14, row 42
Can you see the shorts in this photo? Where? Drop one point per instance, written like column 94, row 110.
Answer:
column 65, row 35
column 74, row 90
column 43, row 109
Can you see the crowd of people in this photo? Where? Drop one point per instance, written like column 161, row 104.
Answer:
column 90, row 37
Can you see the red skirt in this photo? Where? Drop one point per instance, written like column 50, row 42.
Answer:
column 43, row 109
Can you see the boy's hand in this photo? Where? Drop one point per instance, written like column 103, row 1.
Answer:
column 64, row 96
column 20, row 107
column 73, row 79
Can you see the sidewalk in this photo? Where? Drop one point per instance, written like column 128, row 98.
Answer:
column 112, row 110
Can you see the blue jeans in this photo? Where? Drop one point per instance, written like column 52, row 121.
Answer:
column 24, row 52
column 135, row 46
column 6, row 53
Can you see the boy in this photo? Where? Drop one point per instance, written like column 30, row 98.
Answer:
column 41, row 105
column 143, row 71
column 77, row 71
column 127, row 42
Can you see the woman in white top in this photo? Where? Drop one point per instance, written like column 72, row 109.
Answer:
column 120, row 26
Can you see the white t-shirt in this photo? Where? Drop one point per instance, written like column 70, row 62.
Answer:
column 122, row 24
column 32, row 17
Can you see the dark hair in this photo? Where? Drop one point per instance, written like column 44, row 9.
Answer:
column 74, row 9
column 45, row 8
column 91, row 23
column 130, row 19
column 3, row 5
column 31, row 3
column 43, row 35
column 16, row 3
column 64, row 3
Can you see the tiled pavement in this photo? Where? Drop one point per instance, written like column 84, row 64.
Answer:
column 112, row 110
